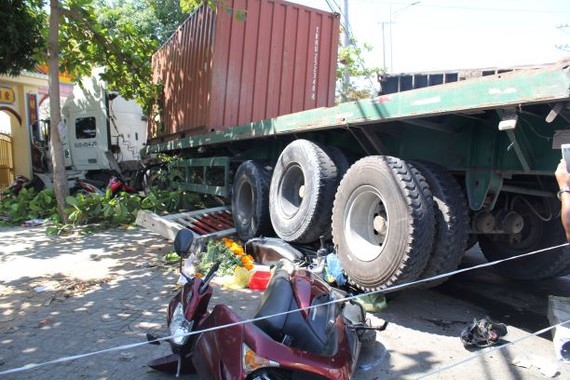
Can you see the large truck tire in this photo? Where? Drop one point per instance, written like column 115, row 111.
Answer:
column 301, row 192
column 383, row 222
column 153, row 177
column 536, row 234
column 250, row 200
column 340, row 160
column 451, row 222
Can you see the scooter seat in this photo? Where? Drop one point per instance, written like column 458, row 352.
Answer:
column 289, row 328
column 275, row 301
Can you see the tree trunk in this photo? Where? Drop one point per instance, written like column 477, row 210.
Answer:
column 60, row 185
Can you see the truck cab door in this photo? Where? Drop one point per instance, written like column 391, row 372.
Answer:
column 88, row 142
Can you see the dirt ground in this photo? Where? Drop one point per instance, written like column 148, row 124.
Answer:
column 84, row 296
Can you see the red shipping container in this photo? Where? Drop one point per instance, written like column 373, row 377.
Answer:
column 218, row 71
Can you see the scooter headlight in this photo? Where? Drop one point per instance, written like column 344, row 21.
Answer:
column 179, row 326
column 252, row 361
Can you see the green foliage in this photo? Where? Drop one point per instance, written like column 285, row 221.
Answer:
column 190, row 6
column 351, row 65
column 106, row 210
column 165, row 201
column 121, row 35
column 217, row 251
column 23, row 23
column 116, row 37
column 28, row 205
column 167, row 15
column 85, row 211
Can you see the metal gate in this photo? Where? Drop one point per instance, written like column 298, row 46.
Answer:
column 6, row 161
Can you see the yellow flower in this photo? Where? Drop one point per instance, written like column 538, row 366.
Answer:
column 247, row 262
column 233, row 246
column 237, row 250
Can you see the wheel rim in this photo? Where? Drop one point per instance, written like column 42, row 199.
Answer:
column 530, row 235
column 529, row 238
column 291, row 191
column 366, row 223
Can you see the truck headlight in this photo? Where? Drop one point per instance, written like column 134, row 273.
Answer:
column 179, row 326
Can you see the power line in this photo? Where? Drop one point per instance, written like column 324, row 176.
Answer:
column 474, row 8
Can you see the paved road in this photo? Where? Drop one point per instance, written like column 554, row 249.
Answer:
column 73, row 295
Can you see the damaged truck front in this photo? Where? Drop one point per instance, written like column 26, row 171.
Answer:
column 402, row 183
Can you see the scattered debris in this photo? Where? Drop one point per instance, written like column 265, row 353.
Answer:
column 126, row 356
column 74, row 287
column 483, row 333
column 46, row 322
column 63, row 287
column 334, row 272
column 547, row 367
column 33, row 223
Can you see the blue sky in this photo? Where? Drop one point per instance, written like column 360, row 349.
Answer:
column 429, row 35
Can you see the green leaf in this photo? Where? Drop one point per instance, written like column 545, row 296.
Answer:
column 171, row 257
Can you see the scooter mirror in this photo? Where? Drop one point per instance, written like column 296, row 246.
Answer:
column 183, row 242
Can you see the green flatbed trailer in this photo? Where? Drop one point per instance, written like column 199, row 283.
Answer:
column 402, row 183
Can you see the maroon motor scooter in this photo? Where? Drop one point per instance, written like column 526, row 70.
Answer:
column 303, row 329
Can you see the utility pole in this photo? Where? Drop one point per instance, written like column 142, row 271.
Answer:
column 383, row 47
column 346, row 24
column 346, row 45
column 391, row 17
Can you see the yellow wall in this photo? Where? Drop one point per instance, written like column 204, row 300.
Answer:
column 17, row 108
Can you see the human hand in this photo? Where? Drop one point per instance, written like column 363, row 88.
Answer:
column 562, row 175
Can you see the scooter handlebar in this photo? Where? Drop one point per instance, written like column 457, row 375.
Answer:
column 209, row 277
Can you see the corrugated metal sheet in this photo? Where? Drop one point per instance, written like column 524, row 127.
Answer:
column 392, row 83
column 219, row 72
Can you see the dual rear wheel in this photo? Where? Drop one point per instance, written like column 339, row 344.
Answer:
column 391, row 221
column 396, row 222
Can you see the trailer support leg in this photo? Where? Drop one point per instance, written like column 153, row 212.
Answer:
column 483, row 187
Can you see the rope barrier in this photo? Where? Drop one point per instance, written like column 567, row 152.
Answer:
column 348, row 298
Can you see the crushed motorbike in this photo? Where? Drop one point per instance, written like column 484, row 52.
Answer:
column 303, row 327
column 21, row 182
column 18, row 184
column 115, row 185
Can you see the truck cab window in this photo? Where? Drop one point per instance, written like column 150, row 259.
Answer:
column 85, row 128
